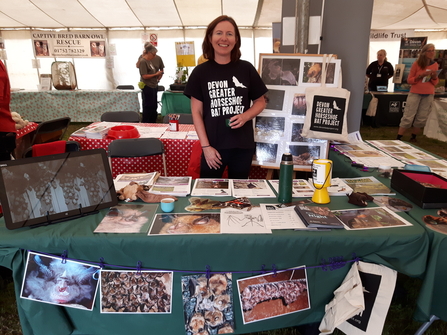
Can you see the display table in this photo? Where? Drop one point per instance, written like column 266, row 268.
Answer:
column 175, row 103
column 24, row 137
column 79, row 105
column 403, row 249
column 390, row 107
column 177, row 151
column 436, row 126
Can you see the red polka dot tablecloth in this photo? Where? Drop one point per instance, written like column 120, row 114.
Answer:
column 24, row 137
column 177, row 152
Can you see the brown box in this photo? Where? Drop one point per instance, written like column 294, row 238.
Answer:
column 426, row 189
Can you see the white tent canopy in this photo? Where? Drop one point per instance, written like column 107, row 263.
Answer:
column 60, row 14
column 135, row 13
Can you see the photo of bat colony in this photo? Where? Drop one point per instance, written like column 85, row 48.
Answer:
column 133, row 292
column 287, row 290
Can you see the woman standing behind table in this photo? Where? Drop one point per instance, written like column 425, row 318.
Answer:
column 379, row 71
column 7, row 124
column 423, row 78
column 149, row 76
column 222, row 91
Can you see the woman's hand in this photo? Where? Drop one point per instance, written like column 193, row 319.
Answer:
column 212, row 157
column 238, row 121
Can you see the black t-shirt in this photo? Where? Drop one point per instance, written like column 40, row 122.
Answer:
column 379, row 74
column 226, row 90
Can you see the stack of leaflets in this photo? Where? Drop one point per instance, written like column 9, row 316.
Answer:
column 318, row 217
column 147, row 179
column 97, row 132
column 369, row 185
column 300, row 187
column 79, row 133
column 211, row 187
column 251, row 188
column 177, row 186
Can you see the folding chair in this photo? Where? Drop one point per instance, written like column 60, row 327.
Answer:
column 137, row 147
column 129, row 116
column 70, row 146
column 160, row 89
column 49, row 131
column 183, row 119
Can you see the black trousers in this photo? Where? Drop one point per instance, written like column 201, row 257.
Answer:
column 150, row 104
column 7, row 145
column 237, row 160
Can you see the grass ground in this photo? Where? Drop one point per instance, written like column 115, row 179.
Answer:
column 399, row 320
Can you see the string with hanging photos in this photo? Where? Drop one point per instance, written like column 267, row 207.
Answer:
column 333, row 263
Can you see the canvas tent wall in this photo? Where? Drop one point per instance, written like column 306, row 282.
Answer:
column 92, row 73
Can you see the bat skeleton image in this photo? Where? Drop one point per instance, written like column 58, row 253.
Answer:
column 287, row 290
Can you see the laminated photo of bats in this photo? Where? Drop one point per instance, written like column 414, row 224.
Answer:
column 54, row 281
column 272, row 295
column 136, row 292
column 208, row 304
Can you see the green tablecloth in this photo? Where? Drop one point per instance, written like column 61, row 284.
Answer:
column 403, row 249
column 79, row 105
column 175, row 103
column 432, row 299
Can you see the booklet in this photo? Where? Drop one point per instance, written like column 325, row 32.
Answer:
column 369, row 185
column 147, row 179
column 318, row 217
column 251, row 188
column 278, row 217
column 127, row 218
column 178, row 186
column 211, row 187
column 300, row 187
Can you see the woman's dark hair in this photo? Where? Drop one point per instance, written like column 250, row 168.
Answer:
column 207, row 47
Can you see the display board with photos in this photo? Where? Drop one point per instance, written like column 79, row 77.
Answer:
column 280, row 125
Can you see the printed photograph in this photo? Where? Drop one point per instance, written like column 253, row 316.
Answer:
column 60, row 282
column 370, row 218
column 304, row 154
column 437, row 222
column 175, row 224
column 278, row 71
column 97, row 49
column 275, row 99
column 269, row 128
column 299, row 104
column 266, row 152
column 127, row 218
column 312, row 72
column 208, row 304
column 41, row 48
column 395, row 204
column 136, row 292
column 272, row 295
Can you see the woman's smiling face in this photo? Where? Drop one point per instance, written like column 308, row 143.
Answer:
column 223, row 39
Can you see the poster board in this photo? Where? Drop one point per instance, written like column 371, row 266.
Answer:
column 280, row 125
